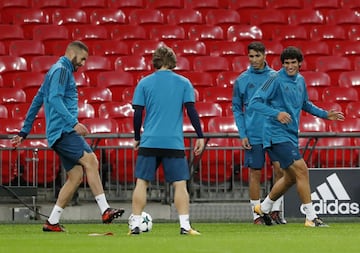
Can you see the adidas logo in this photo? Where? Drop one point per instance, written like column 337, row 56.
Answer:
column 332, row 198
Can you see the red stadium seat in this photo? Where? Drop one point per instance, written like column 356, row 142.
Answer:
column 3, row 112
column 222, row 17
column 29, row 18
column 352, row 110
column 285, row 4
column 26, row 49
column 3, row 49
column 116, row 110
column 164, row 4
column 50, row 32
column 324, row 6
column 350, row 49
column 49, row 4
column 266, row 19
column 182, row 64
column 208, row 110
column 350, row 79
column 288, row 34
column 200, row 80
column 81, row 79
column 310, row 123
column 328, row 33
column 43, row 63
column 350, row 4
column 343, row 17
column 306, row 17
column 246, row 33
column 11, row 32
column 145, row 48
column 313, row 94
column 333, row 66
column 126, row 5
column 132, row 63
column 167, row 33
column 86, row 111
column 12, row 95
column 146, row 17
column 109, row 18
column 116, row 82
column 273, row 49
column 320, row 80
column 127, row 94
column 189, row 48
column 226, row 79
column 54, row 37
column 97, row 126
column 19, row 111
column 240, row 63
column 30, row 82
column 340, row 95
column 184, row 17
column 327, row 106
column 224, row 124
column 10, row 64
column 89, row 32
column 69, row 17
column 348, row 125
column 95, row 64
column 94, row 96
column 312, row 51
column 200, row 5
column 220, row 95
column 88, row 4
column 225, row 48
column 245, row 8
column 205, row 32
column 128, row 32
column 209, row 63
column 10, row 7
column 109, row 48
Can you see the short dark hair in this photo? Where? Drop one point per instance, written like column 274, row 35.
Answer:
column 291, row 53
column 79, row 45
column 257, row 46
column 164, row 57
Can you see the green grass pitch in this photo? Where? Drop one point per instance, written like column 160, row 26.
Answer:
column 216, row 237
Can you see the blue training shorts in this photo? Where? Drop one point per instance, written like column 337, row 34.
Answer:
column 175, row 169
column 286, row 153
column 255, row 157
column 70, row 147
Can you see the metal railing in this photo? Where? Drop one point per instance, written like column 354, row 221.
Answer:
column 218, row 175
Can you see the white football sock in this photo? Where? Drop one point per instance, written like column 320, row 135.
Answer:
column 277, row 204
column 184, row 221
column 102, row 202
column 266, row 205
column 135, row 221
column 55, row 215
column 309, row 211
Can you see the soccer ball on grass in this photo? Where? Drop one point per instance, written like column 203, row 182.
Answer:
column 146, row 222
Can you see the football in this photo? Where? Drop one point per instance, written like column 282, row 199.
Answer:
column 146, row 222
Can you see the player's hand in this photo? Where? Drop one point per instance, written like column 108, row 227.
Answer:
column 16, row 140
column 245, row 143
column 136, row 144
column 284, row 117
column 81, row 129
column 199, row 146
column 335, row 115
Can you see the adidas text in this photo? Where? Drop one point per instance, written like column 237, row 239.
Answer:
column 334, row 207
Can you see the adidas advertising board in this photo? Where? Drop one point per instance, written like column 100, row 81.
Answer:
column 334, row 192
